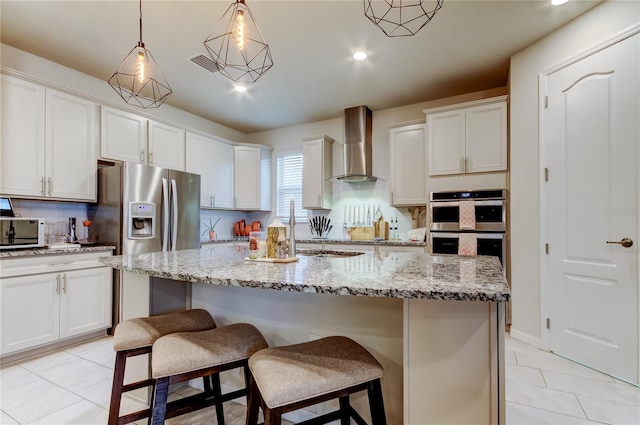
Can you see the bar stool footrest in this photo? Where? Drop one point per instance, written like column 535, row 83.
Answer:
column 199, row 401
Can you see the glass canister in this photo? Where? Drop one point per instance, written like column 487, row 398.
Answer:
column 273, row 235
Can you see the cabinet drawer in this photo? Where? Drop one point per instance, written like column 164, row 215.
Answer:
column 50, row 263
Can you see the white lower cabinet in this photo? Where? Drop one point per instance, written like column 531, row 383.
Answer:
column 30, row 311
column 74, row 298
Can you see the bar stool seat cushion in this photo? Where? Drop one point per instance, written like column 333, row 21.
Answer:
column 183, row 352
column 293, row 373
column 144, row 331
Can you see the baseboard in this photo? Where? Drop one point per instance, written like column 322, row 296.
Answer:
column 27, row 353
column 526, row 338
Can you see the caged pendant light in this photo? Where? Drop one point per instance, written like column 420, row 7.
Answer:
column 138, row 79
column 237, row 47
column 398, row 18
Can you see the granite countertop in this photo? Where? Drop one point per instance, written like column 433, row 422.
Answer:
column 49, row 251
column 329, row 241
column 395, row 274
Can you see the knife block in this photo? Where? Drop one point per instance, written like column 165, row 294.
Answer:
column 361, row 233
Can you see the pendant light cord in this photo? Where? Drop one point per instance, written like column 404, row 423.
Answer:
column 141, row 44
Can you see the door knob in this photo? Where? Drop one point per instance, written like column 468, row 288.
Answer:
column 625, row 242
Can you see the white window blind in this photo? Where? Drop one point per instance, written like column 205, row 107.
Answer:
column 289, row 184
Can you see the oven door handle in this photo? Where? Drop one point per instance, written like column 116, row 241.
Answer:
column 456, row 235
column 491, row 203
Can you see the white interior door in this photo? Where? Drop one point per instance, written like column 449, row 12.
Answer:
column 592, row 135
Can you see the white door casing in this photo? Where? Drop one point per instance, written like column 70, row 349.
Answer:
column 591, row 131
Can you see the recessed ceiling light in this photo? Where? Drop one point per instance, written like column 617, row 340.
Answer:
column 360, row 56
column 558, row 2
column 240, row 89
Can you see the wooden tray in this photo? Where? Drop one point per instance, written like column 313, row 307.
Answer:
column 272, row 260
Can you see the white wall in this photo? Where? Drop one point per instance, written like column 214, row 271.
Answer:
column 47, row 73
column 582, row 33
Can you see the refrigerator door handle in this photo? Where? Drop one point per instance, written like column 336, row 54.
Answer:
column 165, row 221
column 174, row 214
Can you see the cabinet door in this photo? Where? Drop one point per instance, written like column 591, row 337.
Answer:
column 317, row 164
column 486, row 135
column 222, row 161
column 166, row 146
column 198, row 161
column 29, row 311
column 247, row 177
column 22, row 144
column 71, row 147
column 408, row 165
column 85, row 301
column 446, row 139
column 123, row 136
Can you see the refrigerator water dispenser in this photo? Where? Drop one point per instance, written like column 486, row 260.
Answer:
column 142, row 217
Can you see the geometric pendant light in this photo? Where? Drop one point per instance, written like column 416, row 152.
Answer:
column 237, row 47
column 138, row 79
column 398, row 18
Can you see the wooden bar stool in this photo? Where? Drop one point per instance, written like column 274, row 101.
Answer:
column 284, row 379
column 135, row 337
column 187, row 355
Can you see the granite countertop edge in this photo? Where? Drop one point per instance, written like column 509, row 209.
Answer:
column 329, row 241
column 192, row 266
column 55, row 251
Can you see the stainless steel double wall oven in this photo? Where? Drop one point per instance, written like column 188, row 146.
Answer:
column 490, row 227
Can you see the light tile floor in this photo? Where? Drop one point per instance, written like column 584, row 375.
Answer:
column 72, row 386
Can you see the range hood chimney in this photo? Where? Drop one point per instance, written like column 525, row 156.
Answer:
column 357, row 146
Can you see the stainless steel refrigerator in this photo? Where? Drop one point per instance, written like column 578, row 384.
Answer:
column 143, row 209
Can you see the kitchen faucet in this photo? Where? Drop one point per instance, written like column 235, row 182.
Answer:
column 292, row 235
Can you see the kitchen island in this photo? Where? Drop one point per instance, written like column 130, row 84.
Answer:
column 435, row 322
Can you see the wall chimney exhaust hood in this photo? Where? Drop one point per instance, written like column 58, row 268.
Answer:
column 357, row 146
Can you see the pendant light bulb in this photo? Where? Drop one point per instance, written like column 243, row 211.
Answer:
column 239, row 36
column 141, row 68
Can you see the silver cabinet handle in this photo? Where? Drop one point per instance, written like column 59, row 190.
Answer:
column 142, row 156
column 213, row 204
column 64, row 283
column 210, row 200
column 150, row 157
column 50, row 184
column 57, row 284
column 43, row 185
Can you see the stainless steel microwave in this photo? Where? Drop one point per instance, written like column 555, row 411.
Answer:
column 21, row 232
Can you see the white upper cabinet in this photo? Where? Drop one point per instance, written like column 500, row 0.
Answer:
column 123, row 136
column 222, row 172
column 131, row 138
column 252, row 178
column 49, row 143
column 166, row 147
column 408, row 165
column 468, row 138
column 71, row 147
column 317, row 167
column 214, row 161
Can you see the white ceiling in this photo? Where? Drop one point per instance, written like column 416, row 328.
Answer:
column 465, row 48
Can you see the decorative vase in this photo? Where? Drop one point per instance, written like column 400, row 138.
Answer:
column 212, row 235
